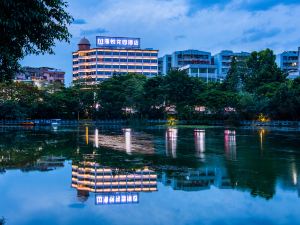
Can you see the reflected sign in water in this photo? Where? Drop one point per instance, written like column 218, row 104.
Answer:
column 117, row 198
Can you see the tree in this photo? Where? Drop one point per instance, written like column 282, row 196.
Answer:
column 29, row 27
column 154, row 97
column 261, row 69
column 181, row 90
column 119, row 93
column 233, row 80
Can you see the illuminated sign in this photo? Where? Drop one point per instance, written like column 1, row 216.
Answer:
column 117, row 198
column 117, row 42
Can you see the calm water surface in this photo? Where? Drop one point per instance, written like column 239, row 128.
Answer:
column 149, row 175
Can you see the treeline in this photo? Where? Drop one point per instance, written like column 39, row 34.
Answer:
column 254, row 88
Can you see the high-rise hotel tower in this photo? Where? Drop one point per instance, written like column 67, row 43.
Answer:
column 112, row 55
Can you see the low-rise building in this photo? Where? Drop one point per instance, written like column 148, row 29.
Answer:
column 196, row 63
column 40, row 76
column 288, row 61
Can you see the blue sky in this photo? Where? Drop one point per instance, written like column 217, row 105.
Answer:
column 169, row 25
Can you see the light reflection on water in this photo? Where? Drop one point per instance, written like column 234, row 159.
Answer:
column 183, row 176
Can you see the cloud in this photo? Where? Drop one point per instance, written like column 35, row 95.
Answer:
column 178, row 37
column 258, row 34
column 93, row 31
column 79, row 21
column 170, row 25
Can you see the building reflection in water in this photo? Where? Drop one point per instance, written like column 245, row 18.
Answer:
column 230, row 144
column 199, row 136
column 196, row 180
column 96, row 138
column 89, row 176
column 127, row 133
column 171, row 142
column 128, row 141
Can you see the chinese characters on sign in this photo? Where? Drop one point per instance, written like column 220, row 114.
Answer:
column 117, row 42
column 117, row 198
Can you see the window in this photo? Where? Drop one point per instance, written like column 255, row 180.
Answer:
column 146, row 54
column 131, row 53
column 123, row 53
column 153, row 54
column 194, row 70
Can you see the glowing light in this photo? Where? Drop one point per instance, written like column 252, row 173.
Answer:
column 87, row 135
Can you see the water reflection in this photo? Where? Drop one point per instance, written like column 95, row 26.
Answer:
column 127, row 133
column 199, row 136
column 196, row 179
column 90, row 176
column 230, row 144
column 171, row 142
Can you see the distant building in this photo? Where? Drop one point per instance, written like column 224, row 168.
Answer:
column 196, row 63
column 223, row 61
column 112, row 55
column 288, row 61
column 166, row 64
column 40, row 76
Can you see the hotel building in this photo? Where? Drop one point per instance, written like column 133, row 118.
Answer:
column 288, row 61
column 89, row 176
column 112, row 55
column 223, row 61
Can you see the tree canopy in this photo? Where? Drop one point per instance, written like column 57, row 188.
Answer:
column 29, row 27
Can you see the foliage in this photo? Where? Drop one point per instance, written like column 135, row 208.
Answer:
column 29, row 27
column 253, row 87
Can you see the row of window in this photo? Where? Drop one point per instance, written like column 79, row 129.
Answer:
column 116, row 53
column 108, row 73
column 123, row 67
column 115, row 60
column 202, row 70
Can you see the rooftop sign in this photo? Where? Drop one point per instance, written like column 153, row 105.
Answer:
column 117, row 42
column 117, row 198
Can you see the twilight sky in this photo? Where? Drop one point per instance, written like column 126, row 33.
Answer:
column 169, row 25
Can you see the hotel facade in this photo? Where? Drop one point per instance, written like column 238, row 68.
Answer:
column 112, row 55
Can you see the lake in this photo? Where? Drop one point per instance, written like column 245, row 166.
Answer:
column 149, row 175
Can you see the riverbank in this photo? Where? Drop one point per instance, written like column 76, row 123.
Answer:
column 47, row 122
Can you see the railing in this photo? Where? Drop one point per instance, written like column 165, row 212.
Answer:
column 45, row 122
